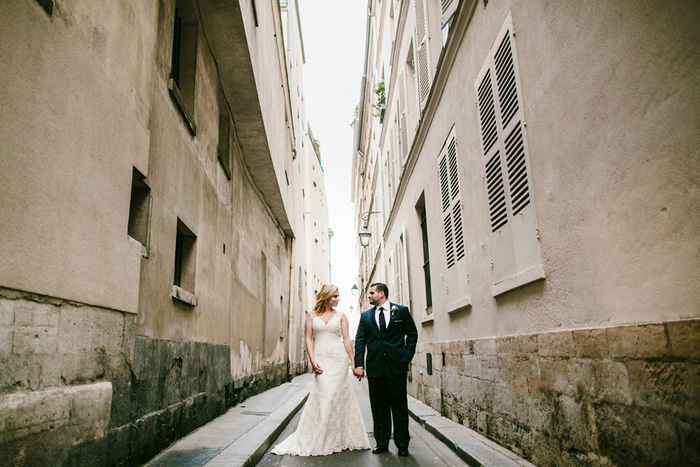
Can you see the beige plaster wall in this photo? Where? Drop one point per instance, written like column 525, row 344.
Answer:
column 76, row 92
column 242, row 263
column 611, row 106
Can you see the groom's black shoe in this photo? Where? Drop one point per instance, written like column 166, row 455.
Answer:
column 380, row 449
column 403, row 452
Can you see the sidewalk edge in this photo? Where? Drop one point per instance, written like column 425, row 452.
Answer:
column 262, row 449
column 429, row 415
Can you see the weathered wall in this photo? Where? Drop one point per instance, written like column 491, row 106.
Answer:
column 622, row 395
column 597, row 361
column 76, row 94
column 614, row 169
column 99, row 364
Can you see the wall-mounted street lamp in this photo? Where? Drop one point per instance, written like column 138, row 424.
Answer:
column 354, row 290
column 365, row 235
column 364, row 232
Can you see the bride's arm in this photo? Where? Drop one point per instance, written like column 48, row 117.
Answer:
column 309, row 332
column 346, row 339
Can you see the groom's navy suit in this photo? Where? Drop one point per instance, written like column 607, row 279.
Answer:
column 388, row 356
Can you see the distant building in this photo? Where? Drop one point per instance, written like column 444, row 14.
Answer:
column 529, row 174
column 153, row 229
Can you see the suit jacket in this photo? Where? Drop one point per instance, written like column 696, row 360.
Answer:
column 390, row 352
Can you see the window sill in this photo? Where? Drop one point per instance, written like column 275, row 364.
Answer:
column 182, row 295
column 180, row 101
column 459, row 306
column 427, row 318
column 138, row 245
column 520, row 280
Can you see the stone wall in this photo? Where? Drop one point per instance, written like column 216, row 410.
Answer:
column 77, row 386
column 621, row 395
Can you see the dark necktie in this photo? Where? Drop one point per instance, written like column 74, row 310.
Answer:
column 382, row 321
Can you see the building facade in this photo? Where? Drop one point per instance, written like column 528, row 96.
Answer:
column 529, row 174
column 152, row 222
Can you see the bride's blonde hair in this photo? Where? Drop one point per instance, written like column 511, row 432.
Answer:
column 323, row 297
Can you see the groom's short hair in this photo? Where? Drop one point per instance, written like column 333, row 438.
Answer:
column 381, row 288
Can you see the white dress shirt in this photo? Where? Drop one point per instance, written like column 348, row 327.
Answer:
column 384, row 309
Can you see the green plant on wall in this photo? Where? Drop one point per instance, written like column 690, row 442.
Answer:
column 381, row 96
column 354, row 116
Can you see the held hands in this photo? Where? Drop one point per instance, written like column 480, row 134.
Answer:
column 359, row 373
column 317, row 368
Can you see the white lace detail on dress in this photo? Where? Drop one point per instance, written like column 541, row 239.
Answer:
column 331, row 420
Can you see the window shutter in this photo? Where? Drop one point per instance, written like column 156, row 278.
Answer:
column 421, row 48
column 448, row 8
column 448, row 173
column 403, row 120
column 514, row 243
column 398, row 270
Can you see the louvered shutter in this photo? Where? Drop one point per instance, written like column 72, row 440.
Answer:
column 403, row 119
column 456, row 285
column 513, row 225
column 421, row 50
column 397, row 273
column 448, row 8
column 448, row 174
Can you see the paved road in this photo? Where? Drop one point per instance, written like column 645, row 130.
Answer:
column 425, row 449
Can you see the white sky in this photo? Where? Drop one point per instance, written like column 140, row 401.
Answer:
column 334, row 42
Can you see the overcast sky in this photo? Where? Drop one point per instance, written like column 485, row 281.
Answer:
column 334, row 42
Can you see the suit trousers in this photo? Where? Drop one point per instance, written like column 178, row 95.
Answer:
column 387, row 397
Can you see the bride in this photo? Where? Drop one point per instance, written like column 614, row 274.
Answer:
column 331, row 420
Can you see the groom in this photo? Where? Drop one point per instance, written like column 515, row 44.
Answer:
column 390, row 335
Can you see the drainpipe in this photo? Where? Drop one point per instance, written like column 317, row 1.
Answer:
column 361, row 112
column 290, row 324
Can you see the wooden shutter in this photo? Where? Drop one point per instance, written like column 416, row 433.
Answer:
column 448, row 8
column 421, row 50
column 448, row 174
column 403, row 119
column 513, row 225
column 397, row 273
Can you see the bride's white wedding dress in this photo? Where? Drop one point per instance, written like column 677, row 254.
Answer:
column 331, row 420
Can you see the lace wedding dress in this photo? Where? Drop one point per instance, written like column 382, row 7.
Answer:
column 331, row 419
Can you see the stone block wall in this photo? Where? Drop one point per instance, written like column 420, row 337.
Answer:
column 78, row 386
column 621, row 395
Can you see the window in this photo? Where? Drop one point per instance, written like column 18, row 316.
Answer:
column 398, row 264
column 402, row 119
column 47, row 6
column 515, row 247
column 448, row 9
column 184, row 60
column 456, row 281
column 223, row 151
column 139, row 209
column 185, row 256
column 420, row 208
column 421, row 48
column 451, row 201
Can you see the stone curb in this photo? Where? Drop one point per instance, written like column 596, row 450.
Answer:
column 242, row 435
column 252, row 446
column 470, row 446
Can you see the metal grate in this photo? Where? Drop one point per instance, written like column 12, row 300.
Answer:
column 505, row 79
column 252, row 412
column 496, row 193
